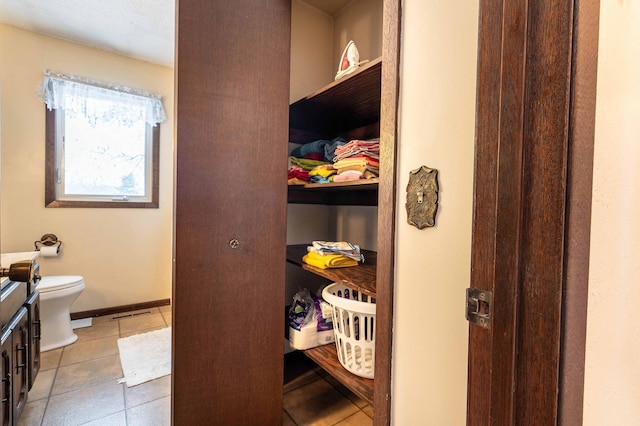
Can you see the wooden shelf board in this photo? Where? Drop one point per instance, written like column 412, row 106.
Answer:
column 354, row 185
column 326, row 357
column 349, row 103
column 349, row 107
column 371, row 68
column 361, row 277
column 339, row 193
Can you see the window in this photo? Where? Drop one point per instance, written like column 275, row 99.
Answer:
column 102, row 144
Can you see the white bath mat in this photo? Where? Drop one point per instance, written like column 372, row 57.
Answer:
column 145, row 356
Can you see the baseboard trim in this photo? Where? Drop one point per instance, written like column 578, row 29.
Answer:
column 120, row 309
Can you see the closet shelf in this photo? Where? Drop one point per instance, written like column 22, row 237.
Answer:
column 350, row 108
column 347, row 107
column 363, row 192
column 326, row 357
column 354, row 185
column 361, row 278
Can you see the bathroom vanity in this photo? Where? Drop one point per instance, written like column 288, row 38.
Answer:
column 19, row 338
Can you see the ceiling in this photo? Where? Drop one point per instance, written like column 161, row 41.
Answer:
column 141, row 29
column 329, row 6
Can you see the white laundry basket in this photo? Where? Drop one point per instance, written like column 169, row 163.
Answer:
column 354, row 323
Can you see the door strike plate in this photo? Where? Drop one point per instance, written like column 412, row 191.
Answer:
column 479, row 307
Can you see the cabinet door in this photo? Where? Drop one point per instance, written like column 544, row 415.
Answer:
column 20, row 385
column 33, row 309
column 232, row 101
column 6, row 411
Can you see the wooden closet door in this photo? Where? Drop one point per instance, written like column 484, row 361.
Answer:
column 232, row 96
column 532, row 204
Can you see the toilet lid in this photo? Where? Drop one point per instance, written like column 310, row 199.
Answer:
column 58, row 282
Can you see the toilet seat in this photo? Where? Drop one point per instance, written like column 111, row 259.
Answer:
column 58, row 282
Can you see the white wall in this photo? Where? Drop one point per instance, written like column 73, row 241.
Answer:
column 123, row 254
column 612, row 376
column 437, row 127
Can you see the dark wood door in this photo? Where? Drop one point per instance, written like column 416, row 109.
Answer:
column 534, row 152
column 232, row 97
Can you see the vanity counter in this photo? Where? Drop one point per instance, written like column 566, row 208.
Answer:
column 6, row 259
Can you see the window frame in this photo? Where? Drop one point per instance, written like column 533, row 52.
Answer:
column 50, row 172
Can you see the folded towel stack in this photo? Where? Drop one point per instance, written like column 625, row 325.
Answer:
column 305, row 163
column 354, row 160
column 357, row 160
column 369, row 148
column 300, row 168
column 325, row 261
column 324, row 148
column 340, row 254
column 322, row 174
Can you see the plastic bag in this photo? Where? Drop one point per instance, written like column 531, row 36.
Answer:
column 302, row 310
column 310, row 321
column 323, row 313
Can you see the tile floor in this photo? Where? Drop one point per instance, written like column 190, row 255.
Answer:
column 312, row 397
column 78, row 384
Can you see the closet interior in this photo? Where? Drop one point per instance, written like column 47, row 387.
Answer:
column 322, row 109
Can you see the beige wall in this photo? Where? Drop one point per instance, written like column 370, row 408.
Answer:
column 360, row 21
column 318, row 40
column 123, row 254
column 311, row 49
column 437, row 127
column 612, row 377
column 311, row 32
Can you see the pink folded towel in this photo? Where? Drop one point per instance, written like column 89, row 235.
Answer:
column 348, row 176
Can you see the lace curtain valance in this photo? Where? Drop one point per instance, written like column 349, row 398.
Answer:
column 98, row 100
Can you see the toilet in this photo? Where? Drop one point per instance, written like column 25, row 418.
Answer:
column 57, row 294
